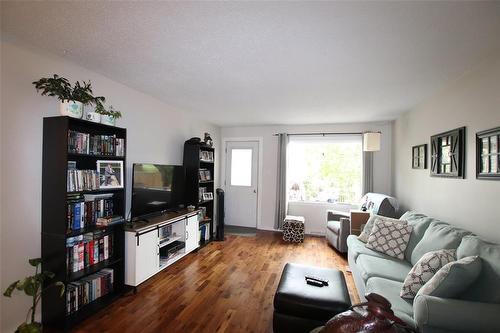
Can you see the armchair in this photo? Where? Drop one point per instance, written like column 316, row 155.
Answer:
column 338, row 225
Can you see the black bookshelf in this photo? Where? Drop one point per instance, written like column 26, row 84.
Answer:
column 193, row 164
column 54, row 219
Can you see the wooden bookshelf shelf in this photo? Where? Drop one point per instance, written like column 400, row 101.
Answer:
column 97, row 157
column 194, row 161
column 94, row 228
column 55, row 220
column 93, row 269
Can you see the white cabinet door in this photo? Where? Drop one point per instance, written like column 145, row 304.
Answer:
column 147, row 256
column 191, row 233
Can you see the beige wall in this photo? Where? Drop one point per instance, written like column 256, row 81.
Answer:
column 156, row 133
column 472, row 101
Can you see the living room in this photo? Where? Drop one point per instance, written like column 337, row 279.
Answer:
column 321, row 123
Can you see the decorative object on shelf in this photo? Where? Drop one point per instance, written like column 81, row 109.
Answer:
column 419, row 156
column 72, row 98
column 448, row 154
column 33, row 286
column 488, row 154
column 208, row 140
column 208, row 196
column 110, row 174
column 109, row 116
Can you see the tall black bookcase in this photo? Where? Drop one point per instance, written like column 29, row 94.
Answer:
column 195, row 162
column 55, row 214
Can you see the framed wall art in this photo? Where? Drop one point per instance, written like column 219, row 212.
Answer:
column 419, row 157
column 488, row 154
column 448, row 154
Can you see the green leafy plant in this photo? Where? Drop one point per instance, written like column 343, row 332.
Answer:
column 111, row 112
column 61, row 88
column 55, row 86
column 33, row 286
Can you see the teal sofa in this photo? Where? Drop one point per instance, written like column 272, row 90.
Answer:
column 477, row 310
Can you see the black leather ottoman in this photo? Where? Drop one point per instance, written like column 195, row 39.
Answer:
column 299, row 307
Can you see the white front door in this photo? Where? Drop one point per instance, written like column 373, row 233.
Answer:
column 242, row 159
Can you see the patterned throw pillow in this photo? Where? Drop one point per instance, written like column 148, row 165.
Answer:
column 363, row 236
column 424, row 270
column 453, row 278
column 389, row 238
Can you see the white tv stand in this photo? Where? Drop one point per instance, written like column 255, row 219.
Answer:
column 152, row 245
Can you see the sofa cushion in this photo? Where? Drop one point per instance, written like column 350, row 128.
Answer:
column 453, row 278
column 439, row 235
column 424, row 270
column 357, row 247
column 420, row 223
column 367, row 230
column 334, row 226
column 390, row 290
column 389, row 238
column 392, row 269
column 486, row 288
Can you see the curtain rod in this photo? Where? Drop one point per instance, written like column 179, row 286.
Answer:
column 323, row 134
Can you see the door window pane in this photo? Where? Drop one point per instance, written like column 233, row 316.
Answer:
column 241, row 167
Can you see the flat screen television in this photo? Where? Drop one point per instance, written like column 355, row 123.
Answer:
column 156, row 189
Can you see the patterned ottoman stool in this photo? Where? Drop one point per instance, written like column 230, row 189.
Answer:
column 293, row 229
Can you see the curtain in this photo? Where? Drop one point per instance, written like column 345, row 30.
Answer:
column 367, row 172
column 281, row 197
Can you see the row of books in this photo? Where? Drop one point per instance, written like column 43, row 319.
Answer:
column 88, row 289
column 85, row 143
column 88, row 249
column 82, row 180
column 204, row 232
column 86, row 210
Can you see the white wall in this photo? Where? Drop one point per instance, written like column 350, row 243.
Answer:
column 315, row 217
column 472, row 101
column 156, row 133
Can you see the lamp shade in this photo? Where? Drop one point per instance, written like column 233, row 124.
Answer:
column 371, row 141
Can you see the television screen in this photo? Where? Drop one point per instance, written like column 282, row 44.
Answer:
column 156, row 188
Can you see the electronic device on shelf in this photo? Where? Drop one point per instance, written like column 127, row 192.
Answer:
column 156, row 189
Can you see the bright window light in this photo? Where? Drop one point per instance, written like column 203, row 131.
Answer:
column 241, row 167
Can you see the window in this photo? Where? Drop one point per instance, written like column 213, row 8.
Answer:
column 241, row 167
column 325, row 169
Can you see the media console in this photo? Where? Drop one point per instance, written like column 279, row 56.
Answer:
column 154, row 244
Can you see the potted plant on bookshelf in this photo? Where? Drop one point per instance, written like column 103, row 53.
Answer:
column 72, row 98
column 33, row 286
column 108, row 116
column 61, row 88
column 83, row 93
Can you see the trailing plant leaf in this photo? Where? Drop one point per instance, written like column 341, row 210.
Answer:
column 10, row 289
column 32, row 286
column 61, row 286
column 35, row 262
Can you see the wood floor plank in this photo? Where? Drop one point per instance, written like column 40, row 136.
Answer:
column 225, row 287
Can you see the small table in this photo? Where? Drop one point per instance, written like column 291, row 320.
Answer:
column 293, row 229
column 358, row 218
column 300, row 307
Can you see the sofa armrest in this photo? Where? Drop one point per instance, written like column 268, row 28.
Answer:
column 335, row 215
column 455, row 315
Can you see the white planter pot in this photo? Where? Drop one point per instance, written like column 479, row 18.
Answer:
column 90, row 115
column 108, row 120
column 71, row 109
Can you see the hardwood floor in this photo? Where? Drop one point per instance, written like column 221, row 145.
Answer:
column 225, row 287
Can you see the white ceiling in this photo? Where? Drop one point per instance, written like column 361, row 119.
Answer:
column 269, row 62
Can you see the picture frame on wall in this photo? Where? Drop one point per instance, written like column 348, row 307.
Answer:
column 448, row 154
column 419, row 156
column 488, row 154
column 110, row 174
